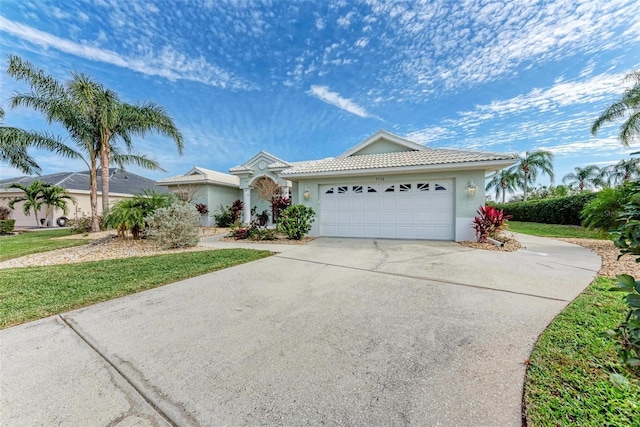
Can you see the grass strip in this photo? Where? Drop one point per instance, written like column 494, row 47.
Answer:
column 35, row 292
column 33, row 242
column 568, row 374
column 553, row 230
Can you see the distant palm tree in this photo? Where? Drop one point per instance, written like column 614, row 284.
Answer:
column 531, row 164
column 55, row 196
column 584, row 178
column 506, row 180
column 32, row 198
column 14, row 143
column 628, row 107
column 95, row 119
column 622, row 171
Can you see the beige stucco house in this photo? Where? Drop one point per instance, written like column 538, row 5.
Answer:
column 122, row 184
column 384, row 187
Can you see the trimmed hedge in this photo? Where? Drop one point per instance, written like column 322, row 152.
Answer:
column 560, row 210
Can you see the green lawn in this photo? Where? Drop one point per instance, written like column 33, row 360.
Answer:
column 32, row 242
column 568, row 375
column 34, row 292
column 552, row 230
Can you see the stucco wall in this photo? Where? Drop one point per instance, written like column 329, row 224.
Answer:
column 465, row 207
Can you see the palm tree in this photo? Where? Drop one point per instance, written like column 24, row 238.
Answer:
column 622, row 171
column 506, row 180
column 112, row 119
column 14, row 143
column 532, row 163
column 584, row 178
column 627, row 107
column 55, row 196
column 95, row 119
column 32, row 198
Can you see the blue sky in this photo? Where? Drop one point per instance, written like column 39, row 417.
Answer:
column 308, row 80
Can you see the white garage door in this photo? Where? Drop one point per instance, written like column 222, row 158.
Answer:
column 400, row 210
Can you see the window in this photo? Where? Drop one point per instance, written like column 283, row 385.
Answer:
column 329, row 191
column 405, row 187
column 390, row 189
column 423, row 186
column 343, row 189
column 357, row 188
column 371, row 190
column 439, row 187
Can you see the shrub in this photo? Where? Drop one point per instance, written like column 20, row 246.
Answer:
column 295, row 221
column 262, row 234
column 560, row 210
column 5, row 213
column 236, row 209
column 602, row 211
column 202, row 208
column 7, row 225
column 175, row 226
column 489, row 222
column 83, row 224
column 131, row 214
column 224, row 217
column 278, row 204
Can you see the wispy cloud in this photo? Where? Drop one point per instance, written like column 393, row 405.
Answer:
column 167, row 63
column 324, row 94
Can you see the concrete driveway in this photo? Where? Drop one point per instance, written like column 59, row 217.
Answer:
column 339, row 331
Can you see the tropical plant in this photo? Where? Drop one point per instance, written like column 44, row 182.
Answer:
column 506, row 180
column 236, row 210
column 627, row 333
column 131, row 214
column 6, row 223
column 277, row 205
column 530, row 164
column 14, row 143
column 54, row 196
column 603, row 212
column 295, row 221
column 489, row 222
column 175, row 226
column 5, row 212
column 202, row 208
column 585, row 178
column 96, row 120
column 223, row 217
column 32, row 198
column 627, row 108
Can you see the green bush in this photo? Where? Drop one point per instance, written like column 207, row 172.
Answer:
column 224, row 216
column 5, row 212
column 131, row 214
column 83, row 224
column 560, row 210
column 295, row 221
column 6, row 225
column 262, row 234
column 176, row 226
column 602, row 211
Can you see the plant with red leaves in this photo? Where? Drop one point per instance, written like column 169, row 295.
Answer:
column 489, row 222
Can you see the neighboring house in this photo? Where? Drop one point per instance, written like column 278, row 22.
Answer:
column 122, row 184
column 384, row 187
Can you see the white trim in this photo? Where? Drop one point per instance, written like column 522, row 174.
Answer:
column 383, row 134
column 475, row 165
column 199, row 181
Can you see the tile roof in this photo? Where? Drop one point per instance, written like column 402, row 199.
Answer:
column 120, row 181
column 201, row 175
column 393, row 160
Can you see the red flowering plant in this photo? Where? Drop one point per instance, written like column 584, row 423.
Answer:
column 489, row 222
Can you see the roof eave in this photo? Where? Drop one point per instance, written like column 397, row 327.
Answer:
column 198, row 182
column 486, row 165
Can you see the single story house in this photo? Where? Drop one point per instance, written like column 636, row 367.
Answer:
column 384, row 187
column 122, row 184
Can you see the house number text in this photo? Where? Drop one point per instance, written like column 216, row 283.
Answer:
column 380, row 178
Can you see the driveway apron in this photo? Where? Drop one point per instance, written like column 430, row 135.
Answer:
column 338, row 331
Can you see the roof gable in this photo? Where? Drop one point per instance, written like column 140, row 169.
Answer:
column 383, row 142
column 260, row 161
column 198, row 175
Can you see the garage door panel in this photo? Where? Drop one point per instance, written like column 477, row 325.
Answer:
column 407, row 212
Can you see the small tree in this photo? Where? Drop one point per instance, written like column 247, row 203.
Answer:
column 54, row 196
column 32, row 198
column 295, row 221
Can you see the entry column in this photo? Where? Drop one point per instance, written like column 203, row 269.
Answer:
column 247, row 205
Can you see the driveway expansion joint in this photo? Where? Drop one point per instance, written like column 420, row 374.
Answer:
column 427, row 279
column 140, row 392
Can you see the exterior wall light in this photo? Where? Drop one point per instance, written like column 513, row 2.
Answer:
column 471, row 189
column 306, row 194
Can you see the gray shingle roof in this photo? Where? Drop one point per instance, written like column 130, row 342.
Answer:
column 120, row 181
column 394, row 160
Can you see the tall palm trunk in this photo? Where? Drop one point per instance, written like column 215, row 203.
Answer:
column 526, row 181
column 105, row 157
column 93, row 184
column 504, row 189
